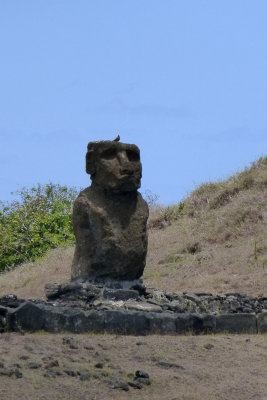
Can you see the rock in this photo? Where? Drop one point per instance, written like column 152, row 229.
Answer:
column 11, row 301
column 16, row 365
column 110, row 216
column 143, row 381
column 236, row 323
column 52, row 373
column 28, row 348
column 262, row 322
column 103, row 346
column 116, row 383
column 18, row 374
column 89, row 347
column 193, row 297
column 195, row 323
column 52, row 364
column 109, row 304
column 10, row 372
column 135, row 384
column 162, row 323
column 84, row 375
column 167, row 364
column 70, row 372
column 175, row 306
column 97, row 375
column 52, row 290
column 155, row 312
column 141, row 374
column 69, row 340
column 142, row 306
column 33, row 317
column 99, row 365
column 72, row 291
column 6, row 372
column 208, row 346
column 126, row 322
column 3, row 318
column 120, row 294
column 24, row 357
column 34, row 365
column 27, row 316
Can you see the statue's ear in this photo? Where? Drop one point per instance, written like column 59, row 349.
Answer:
column 90, row 162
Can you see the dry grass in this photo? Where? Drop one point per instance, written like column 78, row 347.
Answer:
column 217, row 241
column 205, row 367
column 28, row 280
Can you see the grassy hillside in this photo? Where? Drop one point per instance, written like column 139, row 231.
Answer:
column 214, row 241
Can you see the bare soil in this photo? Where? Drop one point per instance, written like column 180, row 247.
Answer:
column 180, row 367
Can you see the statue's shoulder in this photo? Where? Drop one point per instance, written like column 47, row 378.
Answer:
column 142, row 204
column 83, row 199
column 87, row 198
column 85, row 195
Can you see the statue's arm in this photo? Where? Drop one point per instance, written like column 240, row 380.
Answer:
column 81, row 223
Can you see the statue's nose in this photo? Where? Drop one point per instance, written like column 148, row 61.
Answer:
column 126, row 166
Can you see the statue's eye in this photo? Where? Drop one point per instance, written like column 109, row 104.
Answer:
column 132, row 155
column 109, row 154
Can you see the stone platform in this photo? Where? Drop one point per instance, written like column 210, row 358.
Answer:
column 133, row 309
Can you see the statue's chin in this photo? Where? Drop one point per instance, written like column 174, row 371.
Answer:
column 125, row 187
column 122, row 185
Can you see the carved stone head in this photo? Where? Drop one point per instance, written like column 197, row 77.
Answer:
column 114, row 166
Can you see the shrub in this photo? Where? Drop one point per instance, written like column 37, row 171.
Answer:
column 172, row 213
column 38, row 221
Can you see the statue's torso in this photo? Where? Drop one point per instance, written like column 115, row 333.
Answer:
column 112, row 230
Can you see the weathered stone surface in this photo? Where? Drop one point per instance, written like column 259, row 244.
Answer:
column 27, row 317
column 11, row 372
column 3, row 318
column 120, row 294
column 110, row 216
column 163, row 323
column 11, row 301
column 262, row 322
column 195, row 323
column 84, row 375
column 236, row 323
column 135, row 316
column 135, row 384
column 116, row 383
column 142, row 306
column 34, row 317
column 72, row 291
column 127, row 322
column 74, row 320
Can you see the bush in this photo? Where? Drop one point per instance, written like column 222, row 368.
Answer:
column 40, row 220
column 172, row 213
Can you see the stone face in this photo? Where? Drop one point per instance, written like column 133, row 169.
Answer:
column 110, row 216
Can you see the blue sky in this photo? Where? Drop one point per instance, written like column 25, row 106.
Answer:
column 184, row 80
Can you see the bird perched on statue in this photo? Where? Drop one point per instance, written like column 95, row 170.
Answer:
column 117, row 139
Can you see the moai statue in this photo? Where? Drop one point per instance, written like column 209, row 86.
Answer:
column 110, row 216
